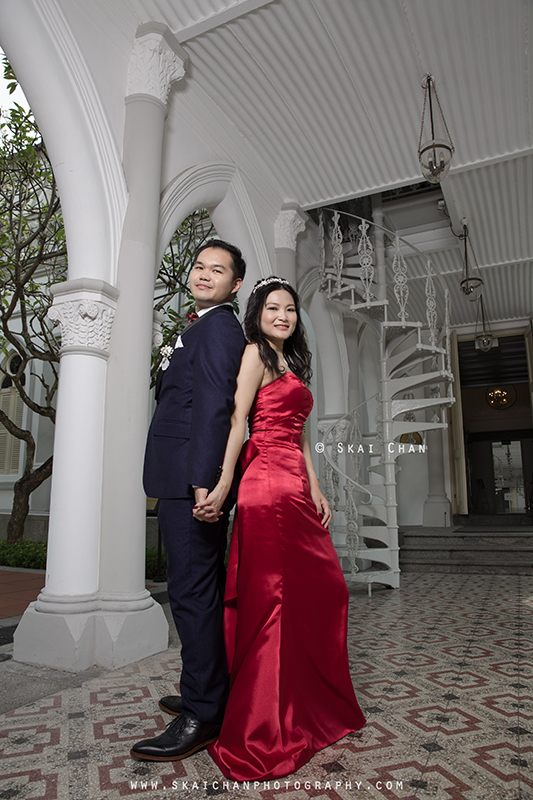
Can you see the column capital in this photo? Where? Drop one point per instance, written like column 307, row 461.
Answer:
column 157, row 60
column 85, row 310
column 290, row 222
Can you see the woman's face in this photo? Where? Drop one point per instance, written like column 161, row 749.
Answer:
column 279, row 317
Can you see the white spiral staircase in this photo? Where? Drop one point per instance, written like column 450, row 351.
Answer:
column 414, row 360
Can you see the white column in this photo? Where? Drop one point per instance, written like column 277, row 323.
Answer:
column 58, row 630
column 136, row 625
column 290, row 222
column 95, row 608
column 437, row 507
column 437, row 511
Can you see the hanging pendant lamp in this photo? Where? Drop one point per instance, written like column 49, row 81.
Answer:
column 471, row 283
column 434, row 154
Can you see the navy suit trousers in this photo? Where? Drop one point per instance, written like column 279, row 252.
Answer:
column 196, row 576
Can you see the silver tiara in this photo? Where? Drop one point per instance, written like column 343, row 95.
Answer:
column 266, row 281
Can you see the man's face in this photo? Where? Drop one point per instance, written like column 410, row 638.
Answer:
column 211, row 280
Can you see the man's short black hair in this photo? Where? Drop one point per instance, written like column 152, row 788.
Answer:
column 238, row 262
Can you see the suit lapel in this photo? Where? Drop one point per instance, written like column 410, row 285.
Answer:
column 160, row 372
column 197, row 321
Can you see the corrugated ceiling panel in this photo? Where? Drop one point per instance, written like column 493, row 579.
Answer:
column 179, row 14
column 498, row 203
column 478, row 53
column 121, row 14
column 330, row 91
column 294, row 98
column 507, row 294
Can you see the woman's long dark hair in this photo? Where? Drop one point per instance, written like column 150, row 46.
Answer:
column 295, row 349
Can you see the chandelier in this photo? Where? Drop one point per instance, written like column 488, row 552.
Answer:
column 471, row 284
column 435, row 153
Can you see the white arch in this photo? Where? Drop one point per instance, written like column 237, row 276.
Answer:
column 219, row 188
column 82, row 147
column 331, row 344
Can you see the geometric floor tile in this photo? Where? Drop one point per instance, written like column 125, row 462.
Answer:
column 449, row 721
column 441, row 667
column 510, row 705
column 506, row 761
column 459, row 680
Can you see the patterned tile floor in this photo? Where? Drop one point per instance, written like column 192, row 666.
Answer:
column 441, row 667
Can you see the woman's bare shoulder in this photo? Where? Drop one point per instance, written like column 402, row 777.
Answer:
column 250, row 357
column 251, row 351
column 249, row 379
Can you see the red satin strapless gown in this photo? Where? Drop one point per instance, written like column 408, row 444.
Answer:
column 286, row 606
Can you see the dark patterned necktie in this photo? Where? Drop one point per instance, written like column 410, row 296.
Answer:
column 192, row 315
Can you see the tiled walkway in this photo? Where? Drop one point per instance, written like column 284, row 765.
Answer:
column 441, row 667
column 17, row 590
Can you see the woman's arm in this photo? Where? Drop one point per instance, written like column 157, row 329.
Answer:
column 248, row 382
column 322, row 505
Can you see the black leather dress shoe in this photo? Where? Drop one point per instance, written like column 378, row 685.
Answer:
column 183, row 737
column 171, row 704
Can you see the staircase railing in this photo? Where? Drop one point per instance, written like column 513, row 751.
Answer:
column 407, row 346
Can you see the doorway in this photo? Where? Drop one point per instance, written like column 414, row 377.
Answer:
column 500, row 473
column 509, row 490
column 497, row 426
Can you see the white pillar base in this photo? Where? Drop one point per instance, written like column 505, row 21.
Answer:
column 437, row 512
column 76, row 642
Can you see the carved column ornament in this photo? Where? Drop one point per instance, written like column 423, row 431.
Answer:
column 157, row 60
column 157, row 333
column 290, row 222
column 85, row 310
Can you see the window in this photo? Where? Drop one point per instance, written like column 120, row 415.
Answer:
column 13, row 406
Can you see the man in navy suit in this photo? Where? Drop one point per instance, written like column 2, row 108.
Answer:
column 184, row 452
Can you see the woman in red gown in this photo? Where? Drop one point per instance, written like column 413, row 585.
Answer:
column 286, row 600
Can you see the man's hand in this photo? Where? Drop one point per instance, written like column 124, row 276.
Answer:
column 208, row 507
column 202, row 511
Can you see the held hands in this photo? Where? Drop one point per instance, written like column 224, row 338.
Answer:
column 322, row 506
column 208, row 505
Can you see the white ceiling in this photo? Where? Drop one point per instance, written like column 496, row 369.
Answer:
column 326, row 96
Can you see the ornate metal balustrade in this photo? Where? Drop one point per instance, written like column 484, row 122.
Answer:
column 414, row 340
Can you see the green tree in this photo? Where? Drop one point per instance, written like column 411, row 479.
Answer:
column 32, row 257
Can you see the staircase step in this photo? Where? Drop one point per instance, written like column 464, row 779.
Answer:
column 389, row 577
column 470, row 551
column 399, row 428
column 509, row 541
column 366, row 304
column 417, row 404
column 414, row 355
column 379, row 469
column 374, row 512
column 494, row 554
column 422, row 379
column 468, row 569
column 504, row 521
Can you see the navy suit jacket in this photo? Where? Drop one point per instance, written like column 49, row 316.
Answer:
column 189, row 429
